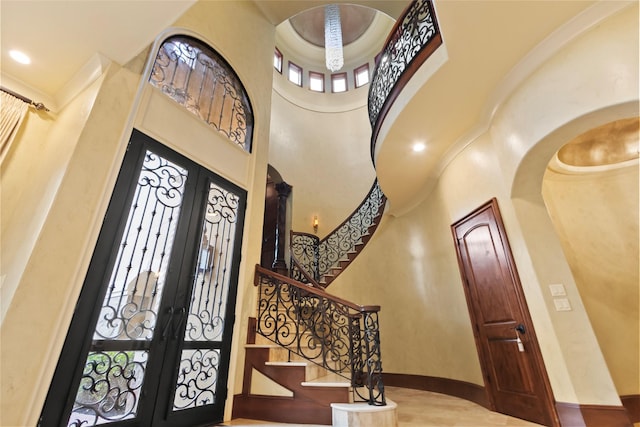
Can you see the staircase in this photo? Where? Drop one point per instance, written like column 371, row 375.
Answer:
column 282, row 387
column 306, row 350
column 319, row 262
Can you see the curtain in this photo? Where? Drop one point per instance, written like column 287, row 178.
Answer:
column 12, row 112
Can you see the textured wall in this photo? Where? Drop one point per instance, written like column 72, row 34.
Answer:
column 596, row 217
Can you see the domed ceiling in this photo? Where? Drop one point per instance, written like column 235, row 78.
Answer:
column 355, row 21
column 615, row 142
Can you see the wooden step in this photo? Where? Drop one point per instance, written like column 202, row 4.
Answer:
column 329, row 380
column 281, row 410
column 311, row 370
column 310, row 402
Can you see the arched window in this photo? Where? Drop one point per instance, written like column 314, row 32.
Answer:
column 198, row 78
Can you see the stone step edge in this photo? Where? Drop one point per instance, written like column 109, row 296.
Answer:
column 286, row 363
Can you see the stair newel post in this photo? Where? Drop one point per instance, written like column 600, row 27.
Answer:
column 258, row 282
column 373, row 358
column 279, row 264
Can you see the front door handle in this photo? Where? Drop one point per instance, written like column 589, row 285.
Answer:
column 520, row 328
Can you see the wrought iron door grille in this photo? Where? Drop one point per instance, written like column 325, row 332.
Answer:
column 115, row 367
column 205, row 320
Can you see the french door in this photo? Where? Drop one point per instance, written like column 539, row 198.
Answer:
column 150, row 339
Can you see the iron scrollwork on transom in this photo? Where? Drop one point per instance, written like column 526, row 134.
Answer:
column 198, row 78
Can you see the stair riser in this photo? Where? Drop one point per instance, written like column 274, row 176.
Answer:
column 281, row 354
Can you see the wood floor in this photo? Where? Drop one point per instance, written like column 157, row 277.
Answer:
column 418, row 408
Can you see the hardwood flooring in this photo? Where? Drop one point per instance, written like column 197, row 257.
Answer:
column 418, row 408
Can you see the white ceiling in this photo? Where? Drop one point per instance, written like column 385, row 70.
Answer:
column 490, row 45
column 61, row 36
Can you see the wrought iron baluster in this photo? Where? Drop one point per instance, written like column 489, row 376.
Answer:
column 339, row 336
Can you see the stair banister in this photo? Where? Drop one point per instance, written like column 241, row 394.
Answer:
column 317, row 261
column 336, row 334
column 304, row 257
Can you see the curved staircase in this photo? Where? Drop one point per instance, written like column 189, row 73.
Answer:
column 306, row 350
column 319, row 262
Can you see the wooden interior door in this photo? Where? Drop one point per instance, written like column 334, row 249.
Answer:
column 515, row 377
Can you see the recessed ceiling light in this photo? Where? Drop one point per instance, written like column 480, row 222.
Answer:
column 419, row 146
column 20, row 57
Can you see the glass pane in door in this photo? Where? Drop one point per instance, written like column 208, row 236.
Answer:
column 205, row 325
column 115, row 367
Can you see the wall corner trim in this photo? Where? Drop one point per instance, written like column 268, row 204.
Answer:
column 631, row 403
column 576, row 415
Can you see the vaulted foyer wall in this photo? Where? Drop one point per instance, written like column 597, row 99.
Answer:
column 54, row 273
column 409, row 267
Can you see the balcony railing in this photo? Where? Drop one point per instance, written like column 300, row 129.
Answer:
column 413, row 39
column 338, row 335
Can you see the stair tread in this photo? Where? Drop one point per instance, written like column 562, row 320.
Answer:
column 286, row 363
column 332, row 380
column 262, row 346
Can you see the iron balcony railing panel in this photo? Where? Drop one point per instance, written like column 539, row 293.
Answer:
column 318, row 262
column 348, row 237
column 413, row 39
column 336, row 334
column 304, row 257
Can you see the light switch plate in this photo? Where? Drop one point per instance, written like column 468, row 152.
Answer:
column 557, row 290
column 562, row 304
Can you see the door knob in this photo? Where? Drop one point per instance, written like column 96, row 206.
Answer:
column 520, row 328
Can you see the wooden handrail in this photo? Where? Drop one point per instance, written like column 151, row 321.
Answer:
column 310, row 289
column 306, row 275
column 352, row 213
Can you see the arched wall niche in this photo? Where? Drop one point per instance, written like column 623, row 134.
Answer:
column 594, row 211
column 547, row 111
column 274, row 174
column 530, row 170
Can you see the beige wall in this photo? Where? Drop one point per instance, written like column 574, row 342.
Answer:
column 549, row 109
column 324, row 155
column 595, row 214
column 409, row 265
column 51, row 281
column 246, row 42
column 55, row 271
column 25, row 207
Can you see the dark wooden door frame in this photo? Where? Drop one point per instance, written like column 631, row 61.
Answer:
column 532, row 342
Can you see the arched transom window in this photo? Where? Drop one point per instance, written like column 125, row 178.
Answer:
column 197, row 77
